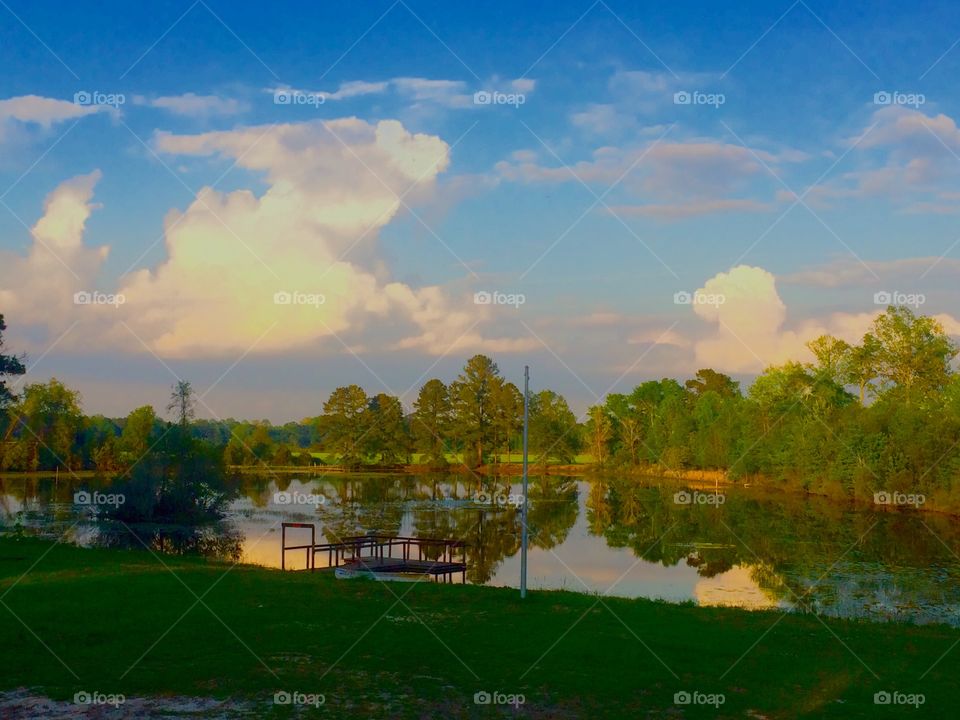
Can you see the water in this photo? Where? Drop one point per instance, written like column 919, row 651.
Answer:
column 623, row 537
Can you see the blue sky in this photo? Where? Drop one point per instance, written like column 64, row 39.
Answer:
column 815, row 166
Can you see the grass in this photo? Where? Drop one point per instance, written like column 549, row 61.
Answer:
column 126, row 623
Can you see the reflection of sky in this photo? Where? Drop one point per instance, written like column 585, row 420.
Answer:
column 581, row 563
column 585, row 563
column 734, row 587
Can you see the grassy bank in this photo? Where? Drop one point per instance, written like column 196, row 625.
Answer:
column 124, row 622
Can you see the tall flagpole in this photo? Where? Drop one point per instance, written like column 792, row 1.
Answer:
column 523, row 512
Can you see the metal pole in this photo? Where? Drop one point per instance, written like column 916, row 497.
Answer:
column 523, row 510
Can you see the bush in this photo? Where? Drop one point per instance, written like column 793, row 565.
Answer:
column 182, row 480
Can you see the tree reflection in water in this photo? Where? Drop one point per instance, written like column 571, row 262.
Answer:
column 806, row 552
column 220, row 540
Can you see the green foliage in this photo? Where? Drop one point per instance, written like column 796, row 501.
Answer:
column 140, row 430
column 707, row 380
column 46, row 428
column 386, row 435
column 553, row 428
column 9, row 366
column 342, row 424
column 180, row 481
column 472, row 399
column 431, row 422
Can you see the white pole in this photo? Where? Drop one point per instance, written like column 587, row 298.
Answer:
column 523, row 511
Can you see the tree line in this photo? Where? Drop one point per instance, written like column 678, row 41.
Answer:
column 882, row 414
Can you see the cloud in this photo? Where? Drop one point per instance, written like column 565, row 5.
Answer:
column 44, row 111
column 684, row 179
column 446, row 93
column 597, row 319
column 294, row 267
column 601, row 119
column 418, row 92
column 903, row 155
column 659, row 336
column 692, row 209
column 357, row 88
column 38, row 288
column 850, row 272
column 751, row 330
column 636, row 95
column 192, row 105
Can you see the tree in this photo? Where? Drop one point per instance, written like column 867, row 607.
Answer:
column 913, row 353
column 715, row 420
column 139, row 430
column 833, row 358
column 631, row 437
column 600, row 432
column 282, row 456
column 48, row 423
column 385, row 429
column 260, row 443
column 10, row 365
column 342, row 421
column 99, row 445
column 182, row 402
column 862, row 366
column 431, row 421
column 552, row 428
column 181, row 480
column 507, row 417
column 472, row 398
column 707, row 380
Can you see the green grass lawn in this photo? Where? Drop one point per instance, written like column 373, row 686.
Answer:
column 125, row 623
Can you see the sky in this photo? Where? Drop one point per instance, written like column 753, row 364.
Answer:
column 272, row 201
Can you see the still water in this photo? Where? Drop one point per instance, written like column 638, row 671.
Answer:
column 623, row 537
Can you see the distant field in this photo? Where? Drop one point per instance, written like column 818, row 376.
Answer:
column 457, row 458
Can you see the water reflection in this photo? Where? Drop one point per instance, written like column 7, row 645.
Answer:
column 626, row 537
column 219, row 540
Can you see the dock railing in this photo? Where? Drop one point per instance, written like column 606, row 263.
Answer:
column 373, row 546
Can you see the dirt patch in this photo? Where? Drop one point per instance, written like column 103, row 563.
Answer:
column 22, row 703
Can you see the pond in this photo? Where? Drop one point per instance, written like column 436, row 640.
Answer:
column 628, row 537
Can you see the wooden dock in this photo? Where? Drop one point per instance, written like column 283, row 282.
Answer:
column 380, row 556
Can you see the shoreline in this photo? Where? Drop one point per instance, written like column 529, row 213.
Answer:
column 695, row 479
